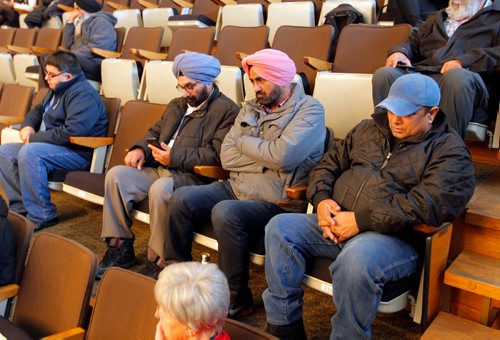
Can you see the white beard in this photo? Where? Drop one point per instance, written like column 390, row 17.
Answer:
column 458, row 11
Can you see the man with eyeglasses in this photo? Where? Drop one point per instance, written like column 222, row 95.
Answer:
column 71, row 108
column 189, row 133
column 403, row 167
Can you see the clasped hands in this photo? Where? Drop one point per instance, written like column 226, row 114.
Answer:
column 136, row 158
column 337, row 225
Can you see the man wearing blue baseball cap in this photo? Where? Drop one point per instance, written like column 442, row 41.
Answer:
column 405, row 166
column 189, row 133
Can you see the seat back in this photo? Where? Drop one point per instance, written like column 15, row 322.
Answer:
column 55, row 291
column 107, row 8
column 191, row 39
column 170, row 4
column 245, row 15
column 49, row 38
column 136, row 118
column 6, row 36
column 128, row 18
column 117, row 317
column 239, row 330
column 25, row 37
column 23, row 232
column 147, row 38
column 299, row 42
column 120, row 37
column 155, row 17
column 112, row 106
column 16, row 100
column 264, row 3
column 317, row 6
column 367, row 8
column 233, row 39
column 358, row 41
column 39, row 95
column 208, row 8
column 289, row 13
column 160, row 82
column 7, row 74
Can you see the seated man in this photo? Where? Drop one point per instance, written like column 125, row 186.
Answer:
column 89, row 27
column 8, row 246
column 455, row 46
column 71, row 108
column 275, row 141
column 190, row 133
column 8, row 11
column 403, row 167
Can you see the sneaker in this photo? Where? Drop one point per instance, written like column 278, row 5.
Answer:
column 122, row 256
column 42, row 225
column 151, row 269
column 238, row 311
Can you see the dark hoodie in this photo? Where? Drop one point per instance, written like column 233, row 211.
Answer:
column 7, row 247
column 97, row 31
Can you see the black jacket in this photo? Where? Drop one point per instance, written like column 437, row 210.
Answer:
column 199, row 139
column 77, row 111
column 476, row 43
column 7, row 247
column 427, row 179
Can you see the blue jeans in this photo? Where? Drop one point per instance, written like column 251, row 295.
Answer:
column 235, row 223
column 361, row 266
column 24, row 172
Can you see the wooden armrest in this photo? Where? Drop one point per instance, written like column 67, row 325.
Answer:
column 183, row 3
column 65, row 8
column 91, row 142
column 114, row 5
column 211, row 171
column 219, row 2
column 4, row 49
column 76, row 333
column 8, row 291
column 149, row 55
column 318, row 64
column 11, row 120
column 105, row 53
column 39, row 50
column 240, row 55
column 21, row 11
column 61, row 48
column 229, row 2
column 147, row 4
column 296, row 193
column 18, row 49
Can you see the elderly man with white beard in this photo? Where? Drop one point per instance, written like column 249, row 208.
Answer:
column 459, row 47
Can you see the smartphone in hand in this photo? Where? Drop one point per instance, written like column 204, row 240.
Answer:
column 154, row 142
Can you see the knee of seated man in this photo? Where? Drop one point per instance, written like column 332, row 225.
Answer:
column 458, row 77
column 29, row 152
column 225, row 212
column 161, row 189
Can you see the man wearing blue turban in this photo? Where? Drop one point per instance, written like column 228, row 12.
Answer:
column 189, row 133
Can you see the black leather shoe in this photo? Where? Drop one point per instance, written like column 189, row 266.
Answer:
column 42, row 225
column 240, row 309
column 293, row 331
column 151, row 269
column 117, row 256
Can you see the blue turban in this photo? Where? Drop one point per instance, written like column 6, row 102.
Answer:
column 200, row 67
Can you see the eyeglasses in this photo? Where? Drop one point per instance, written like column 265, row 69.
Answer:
column 50, row 75
column 188, row 87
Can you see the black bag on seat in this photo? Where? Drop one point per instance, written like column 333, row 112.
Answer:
column 339, row 17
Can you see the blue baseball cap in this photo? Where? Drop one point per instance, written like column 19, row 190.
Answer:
column 411, row 92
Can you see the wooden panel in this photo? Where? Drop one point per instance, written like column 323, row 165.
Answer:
column 447, row 326
column 475, row 273
column 484, row 207
column 480, row 240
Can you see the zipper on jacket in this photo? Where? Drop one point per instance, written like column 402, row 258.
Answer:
column 386, row 161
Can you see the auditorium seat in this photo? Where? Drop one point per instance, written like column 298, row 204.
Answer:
column 289, row 13
column 14, row 105
column 158, row 17
column 204, row 13
column 244, row 15
column 128, row 18
column 22, row 38
column 367, row 8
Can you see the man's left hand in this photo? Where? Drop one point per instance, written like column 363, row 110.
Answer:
column 450, row 65
column 161, row 156
column 345, row 225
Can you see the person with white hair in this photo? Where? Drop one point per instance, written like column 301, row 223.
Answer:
column 459, row 47
column 193, row 301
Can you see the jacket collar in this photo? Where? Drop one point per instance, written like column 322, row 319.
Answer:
column 439, row 126
column 62, row 87
column 296, row 95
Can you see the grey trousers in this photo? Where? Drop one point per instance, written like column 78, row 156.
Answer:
column 125, row 186
column 463, row 93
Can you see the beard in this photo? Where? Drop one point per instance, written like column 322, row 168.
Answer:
column 458, row 11
column 195, row 101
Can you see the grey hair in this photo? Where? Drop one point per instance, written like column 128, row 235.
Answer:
column 195, row 294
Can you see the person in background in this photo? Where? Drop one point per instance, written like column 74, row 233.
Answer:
column 9, row 14
column 193, row 301
column 459, row 47
column 7, row 247
column 414, row 12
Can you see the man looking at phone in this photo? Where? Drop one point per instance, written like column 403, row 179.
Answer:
column 459, row 47
column 405, row 166
column 189, row 133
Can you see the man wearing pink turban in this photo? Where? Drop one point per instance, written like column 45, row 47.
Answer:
column 277, row 138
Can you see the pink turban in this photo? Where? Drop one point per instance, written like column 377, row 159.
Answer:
column 272, row 65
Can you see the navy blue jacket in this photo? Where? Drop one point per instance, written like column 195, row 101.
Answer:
column 77, row 111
